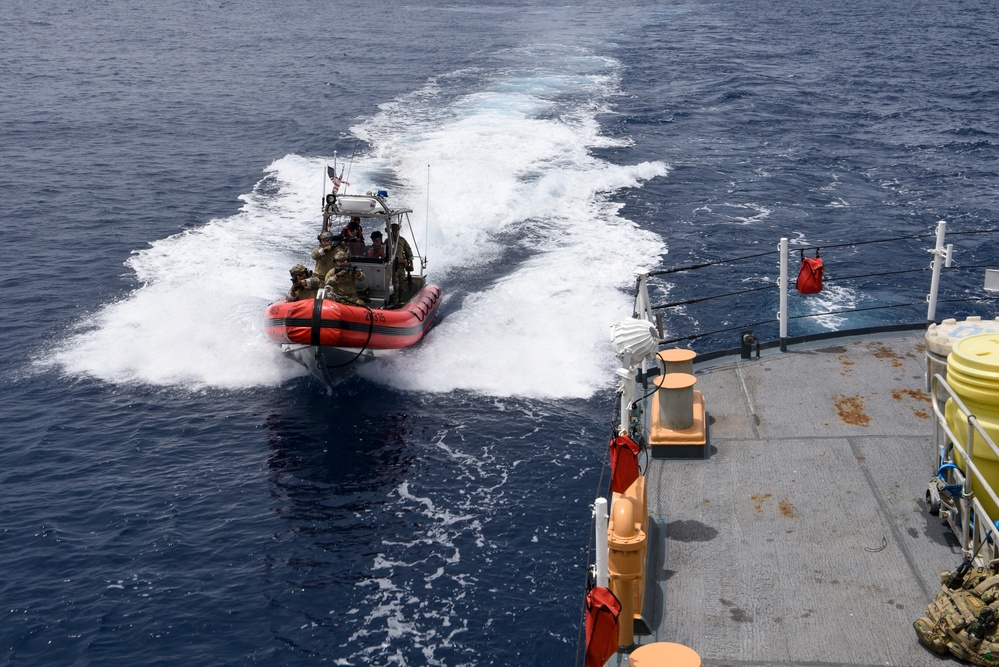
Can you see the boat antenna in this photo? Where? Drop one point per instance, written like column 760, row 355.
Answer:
column 350, row 164
column 326, row 172
column 426, row 227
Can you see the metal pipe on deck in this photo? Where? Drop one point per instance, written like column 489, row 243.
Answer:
column 627, row 393
column 626, row 542
column 600, row 510
column 939, row 254
column 782, row 314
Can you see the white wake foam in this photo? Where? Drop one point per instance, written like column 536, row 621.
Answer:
column 507, row 166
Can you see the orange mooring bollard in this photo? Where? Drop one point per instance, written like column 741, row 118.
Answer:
column 664, row 654
column 676, row 400
column 626, row 543
column 676, row 360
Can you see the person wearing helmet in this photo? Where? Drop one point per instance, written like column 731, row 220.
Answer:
column 304, row 285
column 343, row 282
column 323, row 253
column 353, row 236
column 402, row 264
column 377, row 249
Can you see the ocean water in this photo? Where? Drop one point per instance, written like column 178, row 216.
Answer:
column 174, row 491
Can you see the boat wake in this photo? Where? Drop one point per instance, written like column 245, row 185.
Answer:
column 520, row 227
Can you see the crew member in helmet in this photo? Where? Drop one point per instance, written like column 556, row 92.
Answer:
column 377, row 249
column 304, row 285
column 402, row 264
column 353, row 236
column 343, row 282
column 324, row 253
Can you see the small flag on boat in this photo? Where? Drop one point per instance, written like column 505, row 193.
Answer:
column 337, row 180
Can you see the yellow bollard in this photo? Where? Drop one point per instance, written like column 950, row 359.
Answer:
column 626, row 549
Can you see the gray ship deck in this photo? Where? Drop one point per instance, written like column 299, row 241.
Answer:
column 804, row 539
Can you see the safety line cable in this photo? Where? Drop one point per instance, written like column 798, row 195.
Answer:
column 972, row 231
column 816, row 245
column 875, row 275
column 827, row 281
column 709, row 298
column 858, row 243
column 834, row 312
column 773, row 287
column 701, row 266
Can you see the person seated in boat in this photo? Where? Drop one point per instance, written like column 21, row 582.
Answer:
column 353, row 236
column 304, row 284
column 328, row 210
column 377, row 249
column 345, row 282
column 329, row 246
column 402, row 264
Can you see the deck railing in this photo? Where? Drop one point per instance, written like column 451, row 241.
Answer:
column 954, row 492
column 765, row 308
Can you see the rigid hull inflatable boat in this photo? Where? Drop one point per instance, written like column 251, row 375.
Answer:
column 331, row 336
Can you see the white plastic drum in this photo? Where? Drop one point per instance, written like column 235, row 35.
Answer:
column 940, row 339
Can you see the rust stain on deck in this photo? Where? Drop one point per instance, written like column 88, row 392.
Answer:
column 916, row 395
column 758, row 501
column 787, row 509
column 851, row 410
column 881, row 351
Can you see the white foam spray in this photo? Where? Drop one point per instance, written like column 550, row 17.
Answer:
column 508, row 166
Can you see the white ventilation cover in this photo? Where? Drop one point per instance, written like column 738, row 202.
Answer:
column 634, row 340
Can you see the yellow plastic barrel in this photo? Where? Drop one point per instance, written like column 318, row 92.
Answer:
column 940, row 339
column 973, row 374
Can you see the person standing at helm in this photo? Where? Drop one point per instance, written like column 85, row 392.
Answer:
column 324, row 253
column 402, row 263
column 304, row 285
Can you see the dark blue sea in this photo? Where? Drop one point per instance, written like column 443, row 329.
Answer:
column 173, row 491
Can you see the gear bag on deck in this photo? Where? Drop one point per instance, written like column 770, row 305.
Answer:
column 810, row 275
column 963, row 619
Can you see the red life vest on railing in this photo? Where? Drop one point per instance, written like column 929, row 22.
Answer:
column 810, row 275
column 623, row 462
column 602, row 625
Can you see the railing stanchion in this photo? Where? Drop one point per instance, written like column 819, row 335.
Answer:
column 782, row 315
column 939, row 253
column 602, row 575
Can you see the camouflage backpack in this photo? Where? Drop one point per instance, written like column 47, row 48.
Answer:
column 962, row 619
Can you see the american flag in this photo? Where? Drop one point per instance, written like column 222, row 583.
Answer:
column 337, row 181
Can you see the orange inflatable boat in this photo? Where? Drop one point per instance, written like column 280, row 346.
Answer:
column 331, row 338
column 327, row 323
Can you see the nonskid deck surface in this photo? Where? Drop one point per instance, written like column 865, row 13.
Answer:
column 804, row 539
